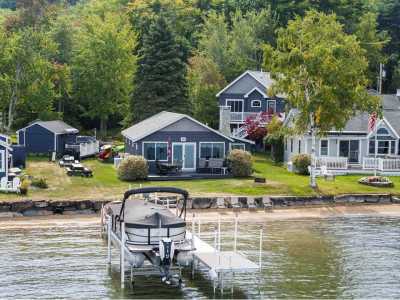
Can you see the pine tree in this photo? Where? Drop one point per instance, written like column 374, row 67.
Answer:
column 160, row 82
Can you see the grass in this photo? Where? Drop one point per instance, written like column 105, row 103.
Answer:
column 106, row 185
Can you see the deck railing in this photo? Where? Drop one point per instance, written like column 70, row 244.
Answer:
column 335, row 163
column 381, row 164
column 370, row 163
column 88, row 149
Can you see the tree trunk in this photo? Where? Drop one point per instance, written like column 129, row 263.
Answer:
column 103, row 126
column 313, row 181
column 14, row 98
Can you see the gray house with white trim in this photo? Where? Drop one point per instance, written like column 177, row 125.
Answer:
column 247, row 96
column 353, row 148
column 167, row 137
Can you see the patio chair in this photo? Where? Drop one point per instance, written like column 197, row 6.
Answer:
column 4, row 184
column 16, row 184
column 203, row 165
column 328, row 175
column 216, row 163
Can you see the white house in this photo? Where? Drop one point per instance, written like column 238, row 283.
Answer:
column 353, row 148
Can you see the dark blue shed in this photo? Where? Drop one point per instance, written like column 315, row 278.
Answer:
column 46, row 136
column 169, row 137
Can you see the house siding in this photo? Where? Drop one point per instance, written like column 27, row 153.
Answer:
column 5, row 160
column 38, row 139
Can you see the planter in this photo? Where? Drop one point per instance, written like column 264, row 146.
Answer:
column 376, row 181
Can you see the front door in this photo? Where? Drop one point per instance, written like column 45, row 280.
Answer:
column 351, row 150
column 185, row 154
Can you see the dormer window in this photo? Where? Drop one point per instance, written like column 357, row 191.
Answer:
column 383, row 131
column 256, row 103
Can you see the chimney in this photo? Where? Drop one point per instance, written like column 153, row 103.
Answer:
column 225, row 120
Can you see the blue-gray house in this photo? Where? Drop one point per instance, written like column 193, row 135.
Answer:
column 168, row 137
column 46, row 136
column 247, row 96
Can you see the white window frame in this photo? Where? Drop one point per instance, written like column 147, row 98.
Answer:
column 256, row 101
column 211, row 150
column 238, row 144
column 320, row 147
column 2, row 160
column 235, row 100
column 155, row 151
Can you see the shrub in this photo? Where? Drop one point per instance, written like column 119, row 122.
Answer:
column 133, row 168
column 23, row 189
column 240, row 163
column 40, row 183
column 301, row 163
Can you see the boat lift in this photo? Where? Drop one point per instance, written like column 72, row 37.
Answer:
column 219, row 266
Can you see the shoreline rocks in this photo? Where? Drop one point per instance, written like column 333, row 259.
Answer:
column 70, row 207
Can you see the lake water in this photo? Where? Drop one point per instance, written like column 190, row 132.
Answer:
column 340, row 257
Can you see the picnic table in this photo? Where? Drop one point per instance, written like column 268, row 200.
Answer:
column 77, row 169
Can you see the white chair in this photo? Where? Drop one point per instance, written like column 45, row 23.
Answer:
column 326, row 173
column 16, row 183
column 4, row 184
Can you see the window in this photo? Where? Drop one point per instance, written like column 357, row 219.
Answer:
column 383, row 131
column 324, row 148
column 271, row 107
column 2, row 162
column 299, row 146
column 371, row 147
column 256, row 103
column 239, row 146
column 236, row 105
column 212, row 150
column 291, row 145
column 155, row 151
column 392, row 147
column 383, row 147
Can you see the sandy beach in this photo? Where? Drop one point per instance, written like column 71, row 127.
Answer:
column 211, row 215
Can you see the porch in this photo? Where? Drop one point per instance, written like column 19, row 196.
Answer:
column 368, row 165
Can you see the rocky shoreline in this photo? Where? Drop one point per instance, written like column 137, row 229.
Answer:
column 31, row 208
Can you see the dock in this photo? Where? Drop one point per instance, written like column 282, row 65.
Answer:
column 214, row 264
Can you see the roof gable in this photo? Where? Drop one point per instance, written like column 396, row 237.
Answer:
column 158, row 122
column 56, row 126
column 246, row 82
column 256, row 90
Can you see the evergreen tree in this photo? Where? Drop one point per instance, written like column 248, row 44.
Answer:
column 160, row 82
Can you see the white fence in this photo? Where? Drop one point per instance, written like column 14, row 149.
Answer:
column 381, row 164
column 335, row 163
column 88, row 149
column 370, row 163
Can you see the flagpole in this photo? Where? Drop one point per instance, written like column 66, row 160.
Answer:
column 376, row 148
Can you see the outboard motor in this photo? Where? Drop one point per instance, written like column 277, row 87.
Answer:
column 167, row 249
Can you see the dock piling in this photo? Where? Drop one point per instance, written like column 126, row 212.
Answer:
column 123, row 255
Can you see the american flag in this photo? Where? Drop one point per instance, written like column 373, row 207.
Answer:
column 372, row 121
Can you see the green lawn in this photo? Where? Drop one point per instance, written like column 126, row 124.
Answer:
column 105, row 183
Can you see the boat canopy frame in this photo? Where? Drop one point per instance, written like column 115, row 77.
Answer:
column 149, row 190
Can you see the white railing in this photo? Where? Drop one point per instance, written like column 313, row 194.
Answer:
column 335, row 163
column 389, row 164
column 381, row 164
column 88, row 149
column 237, row 117
column 370, row 163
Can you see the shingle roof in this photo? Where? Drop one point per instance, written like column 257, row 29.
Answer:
column 157, row 122
column 359, row 123
column 56, row 126
column 263, row 77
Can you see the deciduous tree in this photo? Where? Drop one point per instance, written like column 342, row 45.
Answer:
column 323, row 72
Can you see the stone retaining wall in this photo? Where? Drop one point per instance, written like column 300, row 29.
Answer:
column 68, row 207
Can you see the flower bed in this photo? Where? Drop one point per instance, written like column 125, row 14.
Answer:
column 378, row 181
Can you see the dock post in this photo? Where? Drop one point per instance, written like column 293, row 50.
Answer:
column 235, row 235
column 109, row 228
column 122, row 267
column 261, row 240
column 198, row 229
column 215, row 240
column 219, row 233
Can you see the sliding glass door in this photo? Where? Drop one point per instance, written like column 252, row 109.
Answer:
column 351, row 150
